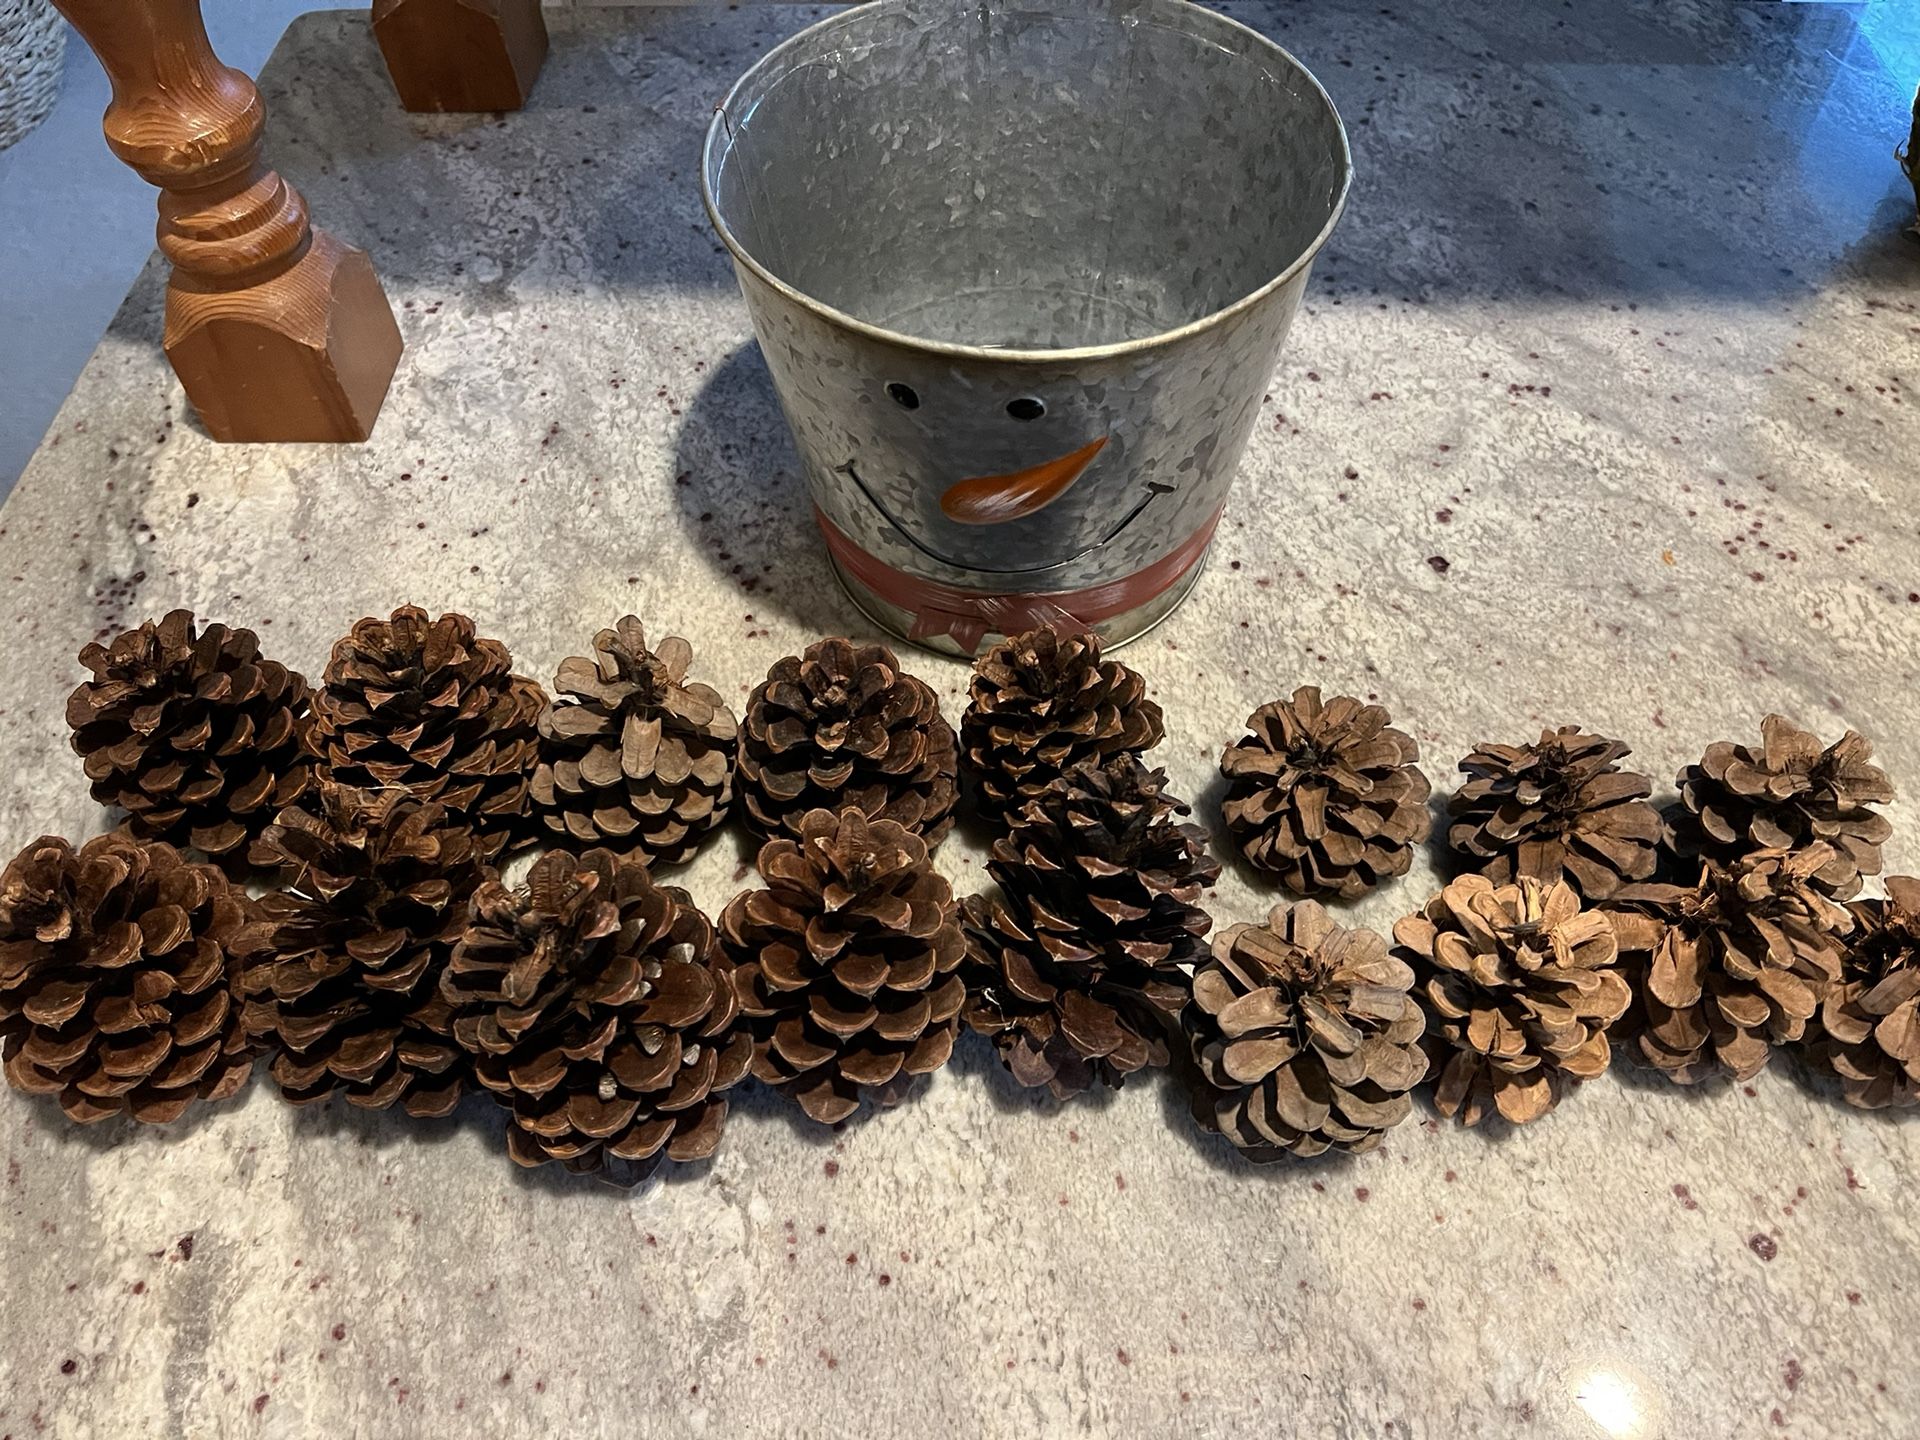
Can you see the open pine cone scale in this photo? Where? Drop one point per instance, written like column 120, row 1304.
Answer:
column 117, row 966
column 1869, row 1024
column 192, row 732
column 1521, row 986
column 1075, row 965
column 1558, row 809
column 599, row 1012
column 1743, row 960
column 633, row 755
column 1325, row 795
column 1040, row 704
column 846, row 963
column 432, row 708
column 1305, row 1036
column 1787, row 793
column 840, row 726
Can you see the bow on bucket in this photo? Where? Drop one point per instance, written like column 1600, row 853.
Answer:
column 969, row 616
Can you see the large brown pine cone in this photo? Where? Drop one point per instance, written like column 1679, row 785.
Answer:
column 117, row 966
column 1326, row 796
column 600, row 1013
column 428, row 707
column 1042, row 703
column 1869, row 1026
column 843, row 725
column 1743, row 963
column 192, row 733
column 634, row 757
column 848, row 963
column 343, row 979
column 1520, row 986
column 1074, row 967
column 1561, row 809
column 1306, row 1036
column 1785, row 795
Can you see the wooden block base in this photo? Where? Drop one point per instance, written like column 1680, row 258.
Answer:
column 461, row 54
column 304, row 356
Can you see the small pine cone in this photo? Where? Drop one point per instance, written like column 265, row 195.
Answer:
column 1743, row 961
column 600, row 1014
column 1306, row 1036
column 1786, row 795
column 427, row 707
column 1562, row 809
column 191, row 733
column 634, row 758
column 1326, row 796
column 1869, row 1027
column 843, row 725
column 1042, row 703
column 117, row 968
column 1520, row 986
column 848, row 963
column 1074, row 968
column 343, row 979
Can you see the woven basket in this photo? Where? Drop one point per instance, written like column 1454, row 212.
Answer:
column 33, row 43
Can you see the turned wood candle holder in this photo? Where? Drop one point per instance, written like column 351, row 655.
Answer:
column 461, row 54
column 278, row 331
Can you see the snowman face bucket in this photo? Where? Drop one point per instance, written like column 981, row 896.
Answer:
column 1020, row 271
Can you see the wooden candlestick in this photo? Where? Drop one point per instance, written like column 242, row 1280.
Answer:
column 278, row 331
column 461, row 54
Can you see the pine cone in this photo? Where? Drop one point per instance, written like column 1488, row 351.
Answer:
column 1519, row 985
column 1306, row 1036
column 1745, row 959
column 345, row 971
column 1042, row 703
column 842, row 726
column 637, row 759
column 600, row 1013
column 1327, row 797
column 191, row 733
column 847, row 963
column 1869, row 1027
column 1786, row 795
column 1562, row 809
column 116, row 978
column 424, row 706
column 1074, row 969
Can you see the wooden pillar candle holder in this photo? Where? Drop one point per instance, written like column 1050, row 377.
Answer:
column 278, row 331
column 461, row 54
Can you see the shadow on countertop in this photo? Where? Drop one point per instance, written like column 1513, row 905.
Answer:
column 743, row 501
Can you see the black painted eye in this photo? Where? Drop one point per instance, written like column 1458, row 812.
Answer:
column 1026, row 408
column 905, row 396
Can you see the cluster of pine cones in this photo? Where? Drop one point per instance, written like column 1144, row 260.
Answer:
column 1700, row 937
column 390, row 961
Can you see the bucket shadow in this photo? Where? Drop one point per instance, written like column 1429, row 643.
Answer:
column 744, row 506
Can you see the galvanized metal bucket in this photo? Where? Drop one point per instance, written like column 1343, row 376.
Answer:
column 1021, row 270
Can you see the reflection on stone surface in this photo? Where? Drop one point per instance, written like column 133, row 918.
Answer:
column 1615, row 1403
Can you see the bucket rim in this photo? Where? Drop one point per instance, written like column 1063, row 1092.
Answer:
column 717, row 135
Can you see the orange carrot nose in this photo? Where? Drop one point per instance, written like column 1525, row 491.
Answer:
column 996, row 499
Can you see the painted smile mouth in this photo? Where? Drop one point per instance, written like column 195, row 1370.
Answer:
column 1154, row 491
column 997, row 499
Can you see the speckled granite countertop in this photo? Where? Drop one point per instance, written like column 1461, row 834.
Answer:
column 1602, row 408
